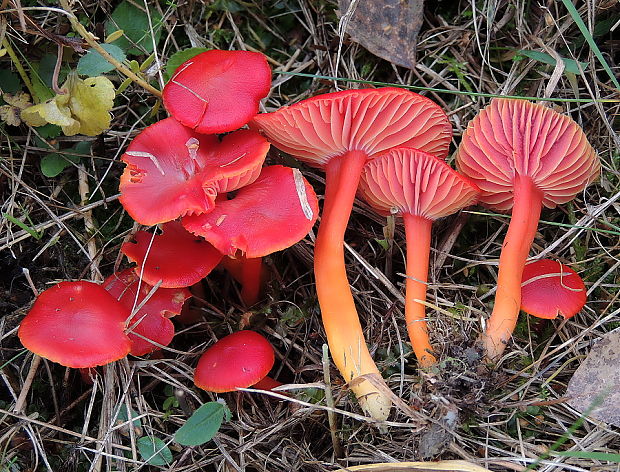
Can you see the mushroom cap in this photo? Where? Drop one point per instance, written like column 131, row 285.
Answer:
column 172, row 171
column 406, row 180
column 153, row 317
column 550, row 289
column 77, row 324
column 236, row 361
column 218, row 91
column 370, row 120
column 176, row 257
column 269, row 215
column 511, row 137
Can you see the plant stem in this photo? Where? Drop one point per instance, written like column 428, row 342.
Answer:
column 251, row 279
column 418, row 234
column 20, row 69
column 521, row 231
column 89, row 38
column 342, row 326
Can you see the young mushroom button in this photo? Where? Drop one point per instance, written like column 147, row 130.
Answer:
column 420, row 188
column 522, row 156
column 340, row 132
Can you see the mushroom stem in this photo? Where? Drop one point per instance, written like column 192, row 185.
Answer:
column 251, row 279
column 418, row 234
column 342, row 326
column 521, row 231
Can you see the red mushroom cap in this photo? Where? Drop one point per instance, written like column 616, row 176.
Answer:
column 176, row 257
column 271, row 214
column 236, row 361
column 369, row 120
column 218, row 91
column 406, row 180
column 550, row 289
column 153, row 317
column 77, row 324
column 516, row 137
column 172, row 171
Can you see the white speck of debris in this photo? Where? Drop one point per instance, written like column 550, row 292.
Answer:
column 234, row 160
column 220, row 220
column 152, row 157
column 300, row 187
column 192, row 146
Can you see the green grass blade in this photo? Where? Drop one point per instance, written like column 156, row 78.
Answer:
column 32, row 232
column 586, row 34
column 440, row 90
column 598, row 456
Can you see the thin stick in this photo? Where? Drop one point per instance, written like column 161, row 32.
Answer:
column 88, row 37
column 331, row 416
column 21, row 400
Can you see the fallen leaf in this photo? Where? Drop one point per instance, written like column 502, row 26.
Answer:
column 10, row 113
column 598, row 380
column 84, row 108
column 387, row 28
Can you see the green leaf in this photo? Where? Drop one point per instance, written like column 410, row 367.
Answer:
column 569, row 64
column 9, row 81
column 53, row 164
column 134, row 22
column 598, row 456
column 46, row 67
column 93, row 64
column 49, row 131
column 123, row 415
column 180, row 57
column 154, row 451
column 202, row 426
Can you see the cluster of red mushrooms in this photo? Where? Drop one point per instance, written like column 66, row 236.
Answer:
column 215, row 203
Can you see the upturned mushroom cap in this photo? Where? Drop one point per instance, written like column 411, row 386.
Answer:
column 516, row 137
column 269, row 215
column 153, row 317
column 550, row 289
column 77, row 324
column 172, row 171
column 236, row 361
column 218, row 91
column 369, row 120
column 406, row 180
column 176, row 257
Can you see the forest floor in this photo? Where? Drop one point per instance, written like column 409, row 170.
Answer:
column 71, row 226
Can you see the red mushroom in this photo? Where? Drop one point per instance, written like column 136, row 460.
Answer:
column 340, row 132
column 218, row 91
column 522, row 156
column 420, row 188
column 269, row 215
column 77, row 324
column 550, row 289
column 151, row 320
column 173, row 171
column 176, row 257
column 238, row 360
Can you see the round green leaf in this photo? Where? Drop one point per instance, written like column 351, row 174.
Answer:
column 134, row 22
column 93, row 64
column 154, row 451
column 202, row 426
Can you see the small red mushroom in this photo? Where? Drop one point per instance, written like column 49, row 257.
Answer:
column 218, row 91
column 151, row 320
column 77, row 324
column 269, row 215
column 239, row 360
column 550, row 289
column 173, row 171
column 177, row 258
column 522, row 156
column 340, row 132
column 421, row 188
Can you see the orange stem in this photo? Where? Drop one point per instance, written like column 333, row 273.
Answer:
column 418, row 234
column 251, row 280
column 516, row 248
column 342, row 326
